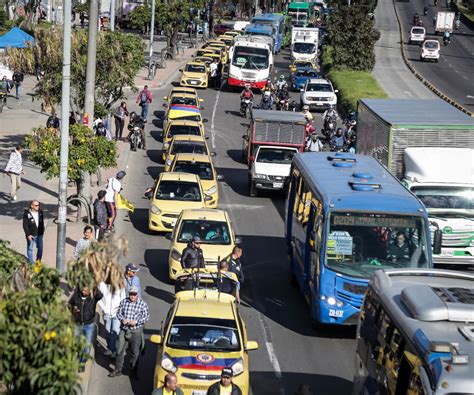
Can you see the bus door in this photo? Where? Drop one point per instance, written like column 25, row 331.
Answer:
column 315, row 245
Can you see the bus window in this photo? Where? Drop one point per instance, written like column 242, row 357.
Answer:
column 304, row 204
column 409, row 378
column 296, row 180
column 397, row 344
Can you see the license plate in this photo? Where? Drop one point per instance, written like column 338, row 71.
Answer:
column 336, row 313
column 193, row 82
column 199, row 392
column 320, row 104
column 447, row 253
column 277, row 185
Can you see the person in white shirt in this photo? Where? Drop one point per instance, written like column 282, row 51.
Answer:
column 214, row 69
column 113, row 188
column 14, row 169
column 84, row 243
column 109, row 305
column 313, row 144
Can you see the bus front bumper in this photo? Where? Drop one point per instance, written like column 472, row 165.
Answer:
column 253, row 84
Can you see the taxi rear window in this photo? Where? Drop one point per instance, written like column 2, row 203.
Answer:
column 188, row 147
column 192, row 130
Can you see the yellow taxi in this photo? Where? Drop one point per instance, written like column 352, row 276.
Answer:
column 194, row 74
column 233, row 33
column 182, row 90
column 203, row 333
column 173, row 193
column 180, row 127
column 182, row 100
column 227, row 40
column 216, row 43
column 215, row 230
column 303, row 63
column 220, row 50
column 186, row 144
column 202, row 166
column 206, row 60
column 182, row 113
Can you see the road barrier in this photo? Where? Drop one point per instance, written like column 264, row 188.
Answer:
column 423, row 80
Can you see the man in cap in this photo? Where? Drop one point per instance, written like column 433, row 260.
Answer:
column 192, row 257
column 133, row 314
column 131, row 278
column 225, row 385
column 114, row 186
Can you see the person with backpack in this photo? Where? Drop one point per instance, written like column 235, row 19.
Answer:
column 144, row 99
column 53, row 121
column 17, row 80
column 114, row 186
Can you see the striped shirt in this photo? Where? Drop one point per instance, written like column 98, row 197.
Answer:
column 15, row 163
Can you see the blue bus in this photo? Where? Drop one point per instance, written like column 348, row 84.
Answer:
column 278, row 24
column 253, row 29
column 346, row 217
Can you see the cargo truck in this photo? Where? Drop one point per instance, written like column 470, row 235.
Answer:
column 443, row 179
column 386, row 127
column 444, row 21
column 304, row 43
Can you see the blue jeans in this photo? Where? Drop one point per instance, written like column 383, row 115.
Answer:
column 86, row 330
column 112, row 328
column 17, row 89
column 30, row 245
column 145, row 110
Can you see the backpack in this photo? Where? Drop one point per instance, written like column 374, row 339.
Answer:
column 143, row 97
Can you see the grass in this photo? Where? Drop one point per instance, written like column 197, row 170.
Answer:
column 469, row 15
column 352, row 85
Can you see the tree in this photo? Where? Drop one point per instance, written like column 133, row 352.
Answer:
column 119, row 58
column 87, row 152
column 140, row 18
column 352, row 36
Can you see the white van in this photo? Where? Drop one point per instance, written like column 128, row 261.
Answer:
column 417, row 35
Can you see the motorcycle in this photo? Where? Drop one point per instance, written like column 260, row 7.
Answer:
column 136, row 140
column 425, row 11
column 334, row 147
column 282, row 104
column 419, row 23
column 266, row 103
column 245, row 106
column 446, row 40
column 435, row 2
column 457, row 24
column 292, row 106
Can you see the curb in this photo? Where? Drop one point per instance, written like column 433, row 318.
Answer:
column 423, row 80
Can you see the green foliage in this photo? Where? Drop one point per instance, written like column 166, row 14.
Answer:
column 366, row 6
column 10, row 260
column 3, row 17
column 352, row 36
column 87, row 152
column 140, row 18
column 83, row 7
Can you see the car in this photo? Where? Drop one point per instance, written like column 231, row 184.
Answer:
column 182, row 89
column 206, row 60
column 203, row 333
column 179, row 127
column 172, row 193
column 233, row 33
column 430, row 50
column 299, row 77
column 194, row 74
column 227, row 40
column 181, row 99
column 201, row 165
column 221, row 28
column 303, row 64
column 215, row 230
column 417, row 35
column 221, row 50
column 318, row 94
column 182, row 144
column 209, row 53
column 183, row 113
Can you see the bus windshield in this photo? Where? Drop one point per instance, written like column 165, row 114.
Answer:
column 358, row 243
column 250, row 58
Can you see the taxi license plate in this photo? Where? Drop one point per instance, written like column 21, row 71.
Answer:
column 199, row 392
column 193, row 82
column 277, row 185
column 335, row 313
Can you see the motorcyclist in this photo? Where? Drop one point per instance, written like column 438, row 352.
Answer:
column 330, row 113
column 266, row 103
column 247, row 93
column 283, row 95
column 313, row 143
column 307, row 114
column 292, row 106
column 137, row 120
column 281, row 83
column 457, row 24
column 425, row 10
column 338, row 141
column 447, row 37
column 416, row 18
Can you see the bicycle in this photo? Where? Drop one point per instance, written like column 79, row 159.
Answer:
column 152, row 70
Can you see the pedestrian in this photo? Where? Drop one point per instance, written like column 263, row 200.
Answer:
column 220, row 70
column 14, row 169
column 235, row 265
column 84, row 242
column 133, row 314
column 120, row 115
column 5, row 85
column 192, row 257
column 72, row 119
column 83, row 305
column 17, row 80
column 144, row 99
column 53, row 121
column 109, row 305
column 213, row 70
column 170, row 387
column 313, row 143
column 225, row 385
column 131, row 279
column 101, row 221
column 33, row 226
column 82, row 18
column 228, row 281
column 114, row 186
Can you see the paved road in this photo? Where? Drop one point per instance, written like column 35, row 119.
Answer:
column 454, row 74
column 390, row 71
column 290, row 352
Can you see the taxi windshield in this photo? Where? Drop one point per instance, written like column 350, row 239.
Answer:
column 201, row 169
column 176, row 130
column 358, row 244
column 188, row 147
column 195, row 68
column 303, row 64
column 210, row 232
column 178, row 190
column 188, row 101
column 207, row 334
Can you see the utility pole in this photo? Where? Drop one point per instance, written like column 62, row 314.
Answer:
column 152, row 32
column 89, row 101
column 64, row 154
column 112, row 17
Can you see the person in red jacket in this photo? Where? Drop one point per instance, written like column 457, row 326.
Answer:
column 144, row 99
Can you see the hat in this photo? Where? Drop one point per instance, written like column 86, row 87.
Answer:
column 132, row 267
column 227, row 372
column 121, row 174
column 101, row 194
column 133, row 290
column 196, row 239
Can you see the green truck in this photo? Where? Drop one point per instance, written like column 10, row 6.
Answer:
column 302, row 13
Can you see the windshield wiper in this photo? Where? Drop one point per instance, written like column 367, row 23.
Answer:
column 255, row 65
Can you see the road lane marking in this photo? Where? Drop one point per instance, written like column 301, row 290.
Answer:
column 408, row 93
column 273, row 359
column 231, row 206
column 213, row 137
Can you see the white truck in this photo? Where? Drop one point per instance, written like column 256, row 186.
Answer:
column 304, row 43
column 444, row 21
column 443, row 179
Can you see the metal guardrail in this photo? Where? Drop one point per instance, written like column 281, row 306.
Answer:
column 83, row 203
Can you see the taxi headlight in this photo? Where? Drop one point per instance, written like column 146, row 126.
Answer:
column 165, row 146
column 168, row 364
column 211, row 191
column 154, row 209
column 238, row 367
column 168, row 162
column 175, row 254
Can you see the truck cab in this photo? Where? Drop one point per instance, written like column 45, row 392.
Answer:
column 442, row 178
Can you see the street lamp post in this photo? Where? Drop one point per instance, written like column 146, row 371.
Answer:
column 152, row 32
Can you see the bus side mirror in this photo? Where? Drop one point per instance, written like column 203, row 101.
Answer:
column 437, row 241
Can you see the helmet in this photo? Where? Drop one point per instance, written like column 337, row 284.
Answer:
column 339, row 132
column 314, row 137
column 267, row 93
column 247, row 86
column 305, row 107
column 282, row 77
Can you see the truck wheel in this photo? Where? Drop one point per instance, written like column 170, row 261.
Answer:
column 253, row 189
column 436, row 60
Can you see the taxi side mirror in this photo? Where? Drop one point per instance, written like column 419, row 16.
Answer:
column 156, row 339
column 165, row 97
column 207, row 198
column 213, row 153
column 245, row 137
column 251, row 345
column 220, row 177
column 238, row 241
column 181, row 70
column 165, row 105
column 205, row 120
column 201, row 100
column 149, row 194
column 201, row 108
